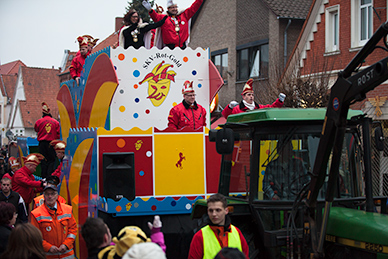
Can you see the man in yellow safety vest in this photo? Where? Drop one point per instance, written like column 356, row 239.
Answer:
column 219, row 233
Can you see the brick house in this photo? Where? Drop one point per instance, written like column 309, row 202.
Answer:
column 334, row 32
column 248, row 38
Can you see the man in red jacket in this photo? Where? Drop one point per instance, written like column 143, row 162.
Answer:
column 48, row 129
column 248, row 102
column 23, row 181
column 188, row 112
column 79, row 60
column 220, row 233
column 59, row 147
column 175, row 30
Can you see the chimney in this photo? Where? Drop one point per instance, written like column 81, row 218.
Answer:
column 119, row 23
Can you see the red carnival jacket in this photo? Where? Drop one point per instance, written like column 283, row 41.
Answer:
column 170, row 36
column 24, row 183
column 242, row 108
column 76, row 65
column 47, row 128
column 183, row 115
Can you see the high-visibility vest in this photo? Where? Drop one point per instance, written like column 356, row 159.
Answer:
column 211, row 246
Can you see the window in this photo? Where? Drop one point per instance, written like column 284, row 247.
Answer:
column 252, row 61
column 332, row 28
column 220, row 60
column 361, row 21
column 366, row 15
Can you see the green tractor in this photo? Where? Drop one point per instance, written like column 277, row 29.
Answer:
column 298, row 181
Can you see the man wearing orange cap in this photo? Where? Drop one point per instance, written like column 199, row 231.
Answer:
column 248, row 102
column 188, row 112
column 48, row 129
column 59, row 147
column 24, row 181
column 78, row 61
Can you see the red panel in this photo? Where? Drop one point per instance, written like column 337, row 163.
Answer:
column 216, row 81
column 213, row 165
column 143, row 163
column 64, row 97
column 102, row 71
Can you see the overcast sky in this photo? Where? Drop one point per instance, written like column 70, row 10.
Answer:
column 38, row 31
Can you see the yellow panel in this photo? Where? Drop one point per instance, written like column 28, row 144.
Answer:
column 65, row 120
column 101, row 104
column 179, row 164
column 75, row 173
column 120, row 131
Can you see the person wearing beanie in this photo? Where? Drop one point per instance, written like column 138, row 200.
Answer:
column 145, row 251
column 23, row 181
column 48, row 130
column 135, row 33
column 248, row 102
column 220, row 233
column 176, row 29
column 56, row 222
column 188, row 112
column 78, row 61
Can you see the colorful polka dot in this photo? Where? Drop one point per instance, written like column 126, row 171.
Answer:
column 115, row 67
column 199, row 85
column 263, row 172
column 136, row 204
column 198, row 54
column 121, row 91
column 137, row 100
column 149, row 154
column 188, row 206
column 194, row 72
column 141, row 173
column 134, row 60
column 174, row 104
column 185, row 59
column 135, row 115
column 136, row 73
column 173, row 203
column 147, row 111
column 153, row 207
column 122, row 108
column 135, row 86
column 121, row 56
column 120, row 143
column 118, row 208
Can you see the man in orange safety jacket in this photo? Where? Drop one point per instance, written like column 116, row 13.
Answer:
column 57, row 224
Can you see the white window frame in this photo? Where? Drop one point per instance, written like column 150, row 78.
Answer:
column 356, row 23
column 332, row 28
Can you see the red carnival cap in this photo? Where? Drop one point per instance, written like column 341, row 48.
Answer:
column 58, row 145
column 45, row 108
column 13, row 161
column 82, row 41
column 91, row 41
column 187, row 87
column 34, row 159
column 248, row 87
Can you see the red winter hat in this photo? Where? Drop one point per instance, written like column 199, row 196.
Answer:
column 6, row 175
column 45, row 108
column 82, row 41
column 34, row 159
column 248, row 87
column 58, row 145
column 187, row 87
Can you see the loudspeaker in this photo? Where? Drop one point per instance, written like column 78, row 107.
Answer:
column 119, row 175
column 225, row 141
